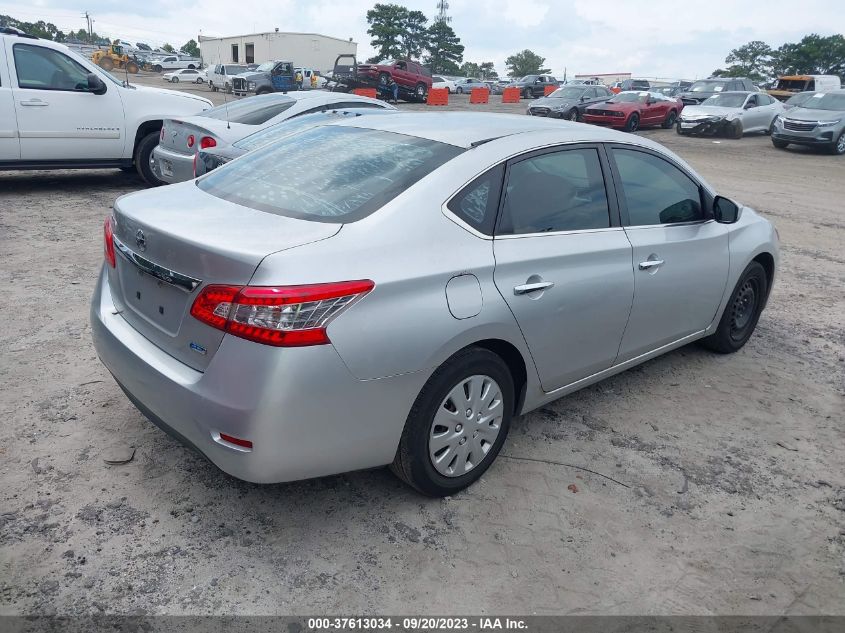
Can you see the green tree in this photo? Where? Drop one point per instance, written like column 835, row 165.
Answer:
column 470, row 69
column 813, row 55
column 168, row 48
column 752, row 60
column 525, row 63
column 42, row 29
column 445, row 50
column 488, row 71
column 415, row 34
column 191, row 48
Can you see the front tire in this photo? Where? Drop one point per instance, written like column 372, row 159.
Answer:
column 143, row 153
column 157, row 68
column 174, row 80
column 572, row 115
column 633, row 123
column 736, row 130
column 741, row 313
column 460, row 90
column 838, row 147
column 457, row 424
column 680, row 130
column 779, row 144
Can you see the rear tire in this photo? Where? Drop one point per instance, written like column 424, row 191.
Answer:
column 415, row 457
column 741, row 313
column 157, row 68
column 143, row 153
column 460, row 90
column 199, row 80
column 669, row 121
column 420, row 92
column 526, row 94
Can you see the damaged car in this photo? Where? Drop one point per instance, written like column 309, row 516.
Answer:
column 569, row 102
column 731, row 114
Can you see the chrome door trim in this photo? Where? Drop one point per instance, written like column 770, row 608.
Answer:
column 178, row 280
column 516, row 236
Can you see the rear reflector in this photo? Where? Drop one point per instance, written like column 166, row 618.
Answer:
column 190, row 140
column 108, row 242
column 282, row 316
column 235, row 440
column 161, row 134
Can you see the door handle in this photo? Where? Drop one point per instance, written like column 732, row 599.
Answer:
column 524, row 289
column 34, row 102
column 651, row 263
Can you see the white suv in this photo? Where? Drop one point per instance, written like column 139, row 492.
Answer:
column 60, row 111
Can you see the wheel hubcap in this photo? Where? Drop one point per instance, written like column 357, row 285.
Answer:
column 840, row 145
column 743, row 309
column 465, row 426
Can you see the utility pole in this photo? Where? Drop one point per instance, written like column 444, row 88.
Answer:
column 88, row 22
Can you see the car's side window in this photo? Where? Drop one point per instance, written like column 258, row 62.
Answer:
column 40, row 68
column 655, row 191
column 477, row 203
column 555, row 191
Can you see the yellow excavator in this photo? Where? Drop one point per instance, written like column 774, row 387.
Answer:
column 114, row 57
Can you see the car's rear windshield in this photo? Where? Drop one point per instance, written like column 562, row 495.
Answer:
column 826, row 101
column 252, row 111
column 298, row 124
column 331, row 173
column 708, row 86
column 725, row 100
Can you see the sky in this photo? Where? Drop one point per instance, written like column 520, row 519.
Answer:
column 648, row 38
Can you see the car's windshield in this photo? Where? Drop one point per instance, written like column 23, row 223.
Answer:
column 235, row 70
column 528, row 78
column 265, row 66
column 708, row 86
column 567, row 93
column 252, row 111
column 727, row 100
column 826, row 101
column 329, row 173
column 629, row 97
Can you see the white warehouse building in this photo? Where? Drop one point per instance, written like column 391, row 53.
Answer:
column 307, row 50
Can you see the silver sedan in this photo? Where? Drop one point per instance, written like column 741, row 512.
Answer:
column 394, row 290
column 173, row 159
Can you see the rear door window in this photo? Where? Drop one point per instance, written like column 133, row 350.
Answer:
column 331, row 173
column 555, row 191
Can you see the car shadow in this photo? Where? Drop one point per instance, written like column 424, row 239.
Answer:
column 68, row 181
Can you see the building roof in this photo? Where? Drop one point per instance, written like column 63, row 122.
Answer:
column 207, row 38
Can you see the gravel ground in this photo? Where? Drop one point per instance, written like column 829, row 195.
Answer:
column 721, row 486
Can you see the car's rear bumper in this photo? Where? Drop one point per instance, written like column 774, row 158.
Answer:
column 171, row 166
column 304, row 412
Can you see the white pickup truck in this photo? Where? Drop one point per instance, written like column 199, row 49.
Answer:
column 175, row 62
column 60, row 111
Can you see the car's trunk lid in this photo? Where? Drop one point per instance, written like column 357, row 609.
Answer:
column 172, row 241
column 176, row 132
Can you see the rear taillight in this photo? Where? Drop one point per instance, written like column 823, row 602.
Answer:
column 283, row 316
column 190, row 140
column 195, row 164
column 108, row 242
column 207, row 141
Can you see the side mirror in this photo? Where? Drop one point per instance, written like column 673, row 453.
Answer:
column 725, row 211
column 96, row 85
column 748, row 106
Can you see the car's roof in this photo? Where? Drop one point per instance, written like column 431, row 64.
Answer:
column 465, row 129
column 737, row 92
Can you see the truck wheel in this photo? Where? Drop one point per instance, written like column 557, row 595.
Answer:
column 419, row 92
column 143, row 154
column 106, row 63
column 263, row 91
column 526, row 94
column 192, row 67
column 157, row 68
column 382, row 79
column 132, row 68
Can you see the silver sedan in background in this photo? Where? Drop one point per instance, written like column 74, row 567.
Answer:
column 180, row 140
column 731, row 114
column 395, row 289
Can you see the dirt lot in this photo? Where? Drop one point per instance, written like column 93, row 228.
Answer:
column 731, row 470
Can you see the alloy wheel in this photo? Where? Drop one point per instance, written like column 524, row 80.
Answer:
column 465, row 426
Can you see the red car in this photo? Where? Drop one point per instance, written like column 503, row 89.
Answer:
column 413, row 79
column 632, row 110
